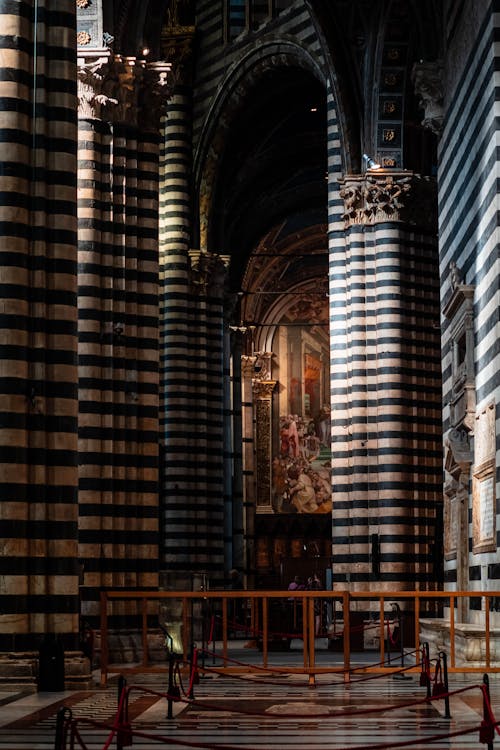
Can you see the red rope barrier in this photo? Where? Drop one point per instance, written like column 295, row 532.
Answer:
column 122, row 716
column 489, row 720
column 212, row 627
column 194, row 677
column 286, row 670
column 75, row 734
column 298, row 634
column 121, row 726
column 169, row 740
column 204, row 705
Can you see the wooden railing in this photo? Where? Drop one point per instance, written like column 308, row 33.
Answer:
column 409, row 607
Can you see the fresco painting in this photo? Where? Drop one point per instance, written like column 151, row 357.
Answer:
column 302, row 468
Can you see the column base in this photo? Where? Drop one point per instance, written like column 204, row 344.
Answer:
column 19, row 671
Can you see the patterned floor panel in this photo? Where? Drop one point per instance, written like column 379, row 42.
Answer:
column 261, row 714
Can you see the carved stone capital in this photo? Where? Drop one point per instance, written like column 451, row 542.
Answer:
column 177, row 47
column 123, row 83
column 247, row 365
column 263, row 389
column 262, row 366
column 109, row 87
column 209, row 271
column 382, row 196
column 92, row 72
column 427, row 78
column 257, row 366
column 154, row 93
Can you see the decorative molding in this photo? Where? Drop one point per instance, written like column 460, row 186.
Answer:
column 459, row 310
column 83, row 38
column 427, row 77
column 262, row 398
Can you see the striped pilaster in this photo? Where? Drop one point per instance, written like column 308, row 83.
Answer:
column 388, row 385
column 118, row 347
column 38, row 436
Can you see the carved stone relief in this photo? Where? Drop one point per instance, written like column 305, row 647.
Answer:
column 427, row 78
column 459, row 310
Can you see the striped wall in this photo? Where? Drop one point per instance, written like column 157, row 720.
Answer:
column 117, row 351
column 38, row 475
column 468, row 202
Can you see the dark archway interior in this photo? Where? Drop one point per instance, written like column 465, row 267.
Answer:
column 273, row 168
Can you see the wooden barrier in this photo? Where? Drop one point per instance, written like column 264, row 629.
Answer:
column 260, row 629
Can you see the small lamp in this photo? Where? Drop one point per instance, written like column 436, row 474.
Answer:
column 370, row 163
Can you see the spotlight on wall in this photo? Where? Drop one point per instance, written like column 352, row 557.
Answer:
column 370, row 163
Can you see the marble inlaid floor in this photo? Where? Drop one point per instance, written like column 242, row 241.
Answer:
column 264, row 712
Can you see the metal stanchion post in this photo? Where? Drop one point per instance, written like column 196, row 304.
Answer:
column 388, row 642
column 193, row 664
column 444, row 659
column 400, row 615
column 63, row 715
column 425, row 678
column 170, row 689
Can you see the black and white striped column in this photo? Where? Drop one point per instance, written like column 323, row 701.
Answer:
column 118, row 346
column 384, row 510
column 38, row 383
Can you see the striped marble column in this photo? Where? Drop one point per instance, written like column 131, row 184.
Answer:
column 38, row 435
column 118, row 346
column 178, row 346
column 191, row 355
column 384, row 528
